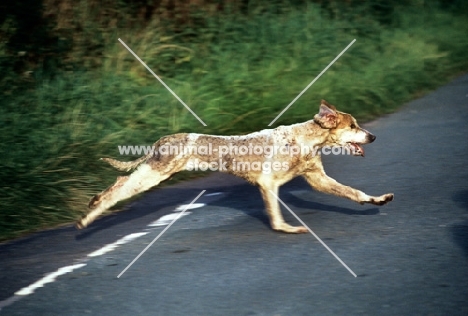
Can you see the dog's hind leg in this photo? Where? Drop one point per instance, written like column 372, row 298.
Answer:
column 139, row 181
column 274, row 212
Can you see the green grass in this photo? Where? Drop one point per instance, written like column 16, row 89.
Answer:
column 237, row 73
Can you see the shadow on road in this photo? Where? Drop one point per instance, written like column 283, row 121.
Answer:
column 460, row 231
column 244, row 197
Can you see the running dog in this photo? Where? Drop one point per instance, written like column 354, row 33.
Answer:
column 268, row 169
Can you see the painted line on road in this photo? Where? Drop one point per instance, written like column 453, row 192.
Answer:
column 188, row 206
column 48, row 279
column 214, row 193
column 52, row 277
column 121, row 241
column 166, row 219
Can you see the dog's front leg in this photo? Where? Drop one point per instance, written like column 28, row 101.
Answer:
column 274, row 212
column 323, row 183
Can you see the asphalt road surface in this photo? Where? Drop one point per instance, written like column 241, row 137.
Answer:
column 410, row 256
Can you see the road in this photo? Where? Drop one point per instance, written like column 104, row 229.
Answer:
column 410, row 256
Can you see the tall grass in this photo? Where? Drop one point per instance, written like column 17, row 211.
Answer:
column 237, row 72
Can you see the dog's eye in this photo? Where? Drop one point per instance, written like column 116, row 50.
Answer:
column 353, row 126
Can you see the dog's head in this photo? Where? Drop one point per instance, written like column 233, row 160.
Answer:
column 344, row 131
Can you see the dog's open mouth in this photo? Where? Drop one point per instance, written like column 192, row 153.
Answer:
column 356, row 149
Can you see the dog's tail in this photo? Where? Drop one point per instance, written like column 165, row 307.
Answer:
column 127, row 165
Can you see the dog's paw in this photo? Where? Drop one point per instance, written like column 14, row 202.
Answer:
column 79, row 225
column 286, row 228
column 383, row 199
column 300, row 230
column 94, row 201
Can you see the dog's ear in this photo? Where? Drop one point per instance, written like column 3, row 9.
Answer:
column 327, row 117
column 331, row 106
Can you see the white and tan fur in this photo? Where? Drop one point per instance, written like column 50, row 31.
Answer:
column 328, row 128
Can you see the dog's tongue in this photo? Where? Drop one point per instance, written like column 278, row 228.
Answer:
column 358, row 150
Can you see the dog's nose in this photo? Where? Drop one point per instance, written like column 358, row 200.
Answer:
column 371, row 137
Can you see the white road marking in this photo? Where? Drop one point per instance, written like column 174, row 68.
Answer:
column 51, row 277
column 166, row 219
column 48, row 279
column 163, row 221
column 114, row 245
column 188, row 206
column 214, row 193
